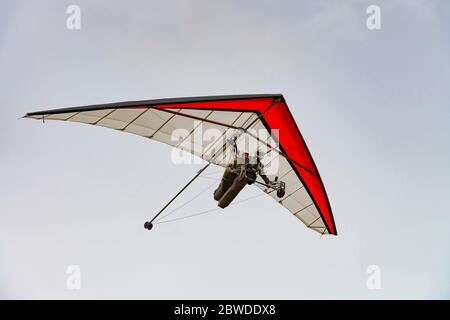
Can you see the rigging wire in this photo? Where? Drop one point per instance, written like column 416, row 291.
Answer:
column 189, row 201
column 209, row 210
column 211, row 173
column 210, row 178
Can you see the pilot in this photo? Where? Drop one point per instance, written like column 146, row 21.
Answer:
column 239, row 172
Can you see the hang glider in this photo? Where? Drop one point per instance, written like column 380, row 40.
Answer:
column 305, row 196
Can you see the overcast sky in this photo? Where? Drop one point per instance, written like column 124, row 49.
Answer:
column 373, row 107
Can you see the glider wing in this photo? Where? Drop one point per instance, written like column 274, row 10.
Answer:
column 305, row 195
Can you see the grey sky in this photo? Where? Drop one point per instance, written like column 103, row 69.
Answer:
column 373, row 107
